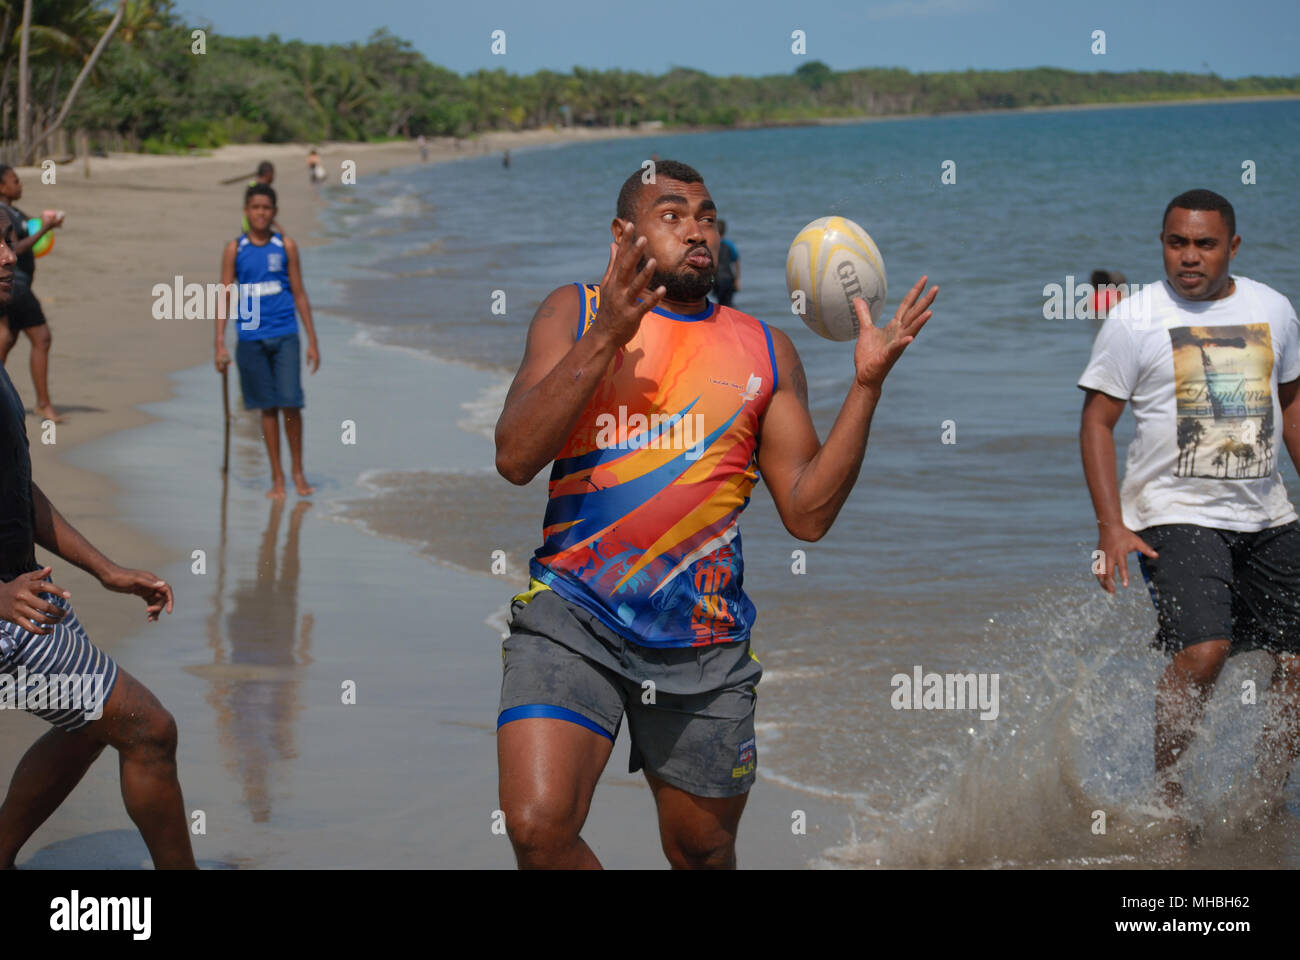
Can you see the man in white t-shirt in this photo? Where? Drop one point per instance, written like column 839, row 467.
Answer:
column 1211, row 364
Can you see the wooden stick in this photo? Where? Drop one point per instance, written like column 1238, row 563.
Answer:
column 225, row 408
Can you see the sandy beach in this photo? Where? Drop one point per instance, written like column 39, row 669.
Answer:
column 139, row 220
column 282, row 617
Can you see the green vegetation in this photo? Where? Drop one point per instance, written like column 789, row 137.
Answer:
column 149, row 90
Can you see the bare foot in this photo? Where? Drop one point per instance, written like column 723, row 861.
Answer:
column 48, row 412
column 276, row 492
column 304, row 488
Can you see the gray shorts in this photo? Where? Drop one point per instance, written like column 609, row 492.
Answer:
column 690, row 710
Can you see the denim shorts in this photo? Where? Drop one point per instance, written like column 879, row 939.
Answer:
column 270, row 372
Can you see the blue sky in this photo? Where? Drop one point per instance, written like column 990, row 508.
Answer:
column 754, row 36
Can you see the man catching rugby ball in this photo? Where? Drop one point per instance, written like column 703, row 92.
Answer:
column 658, row 409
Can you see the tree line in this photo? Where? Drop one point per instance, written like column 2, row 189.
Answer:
column 132, row 69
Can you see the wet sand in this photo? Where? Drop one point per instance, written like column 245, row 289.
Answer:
column 290, row 608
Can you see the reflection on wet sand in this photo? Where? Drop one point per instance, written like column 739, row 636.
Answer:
column 259, row 649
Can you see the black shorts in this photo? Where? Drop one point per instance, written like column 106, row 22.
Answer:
column 24, row 312
column 1212, row 584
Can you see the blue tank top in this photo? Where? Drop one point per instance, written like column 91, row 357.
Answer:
column 263, row 277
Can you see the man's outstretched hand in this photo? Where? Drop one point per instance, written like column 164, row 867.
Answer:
column 879, row 348
column 157, row 593
column 625, row 296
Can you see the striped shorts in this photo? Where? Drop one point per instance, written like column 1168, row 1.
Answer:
column 60, row 677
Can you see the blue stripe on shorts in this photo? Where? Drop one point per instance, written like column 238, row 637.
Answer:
column 65, row 651
column 530, row 710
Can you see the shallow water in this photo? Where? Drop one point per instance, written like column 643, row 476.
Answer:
column 964, row 557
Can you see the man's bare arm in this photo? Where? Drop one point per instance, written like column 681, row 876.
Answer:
column 59, row 537
column 556, row 379
column 1097, row 445
column 809, row 480
column 1288, row 398
column 62, row 539
column 221, row 355
column 558, row 375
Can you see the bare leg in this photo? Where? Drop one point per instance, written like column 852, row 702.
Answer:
column 46, row 774
column 41, row 339
column 548, row 773
column 1180, row 704
column 293, row 430
column 144, row 734
column 1279, row 742
column 697, row 833
column 271, row 434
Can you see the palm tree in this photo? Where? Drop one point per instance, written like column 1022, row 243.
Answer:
column 1184, row 438
column 1265, row 441
column 1226, row 450
column 1245, row 456
column 66, row 34
column 1195, row 433
column 142, row 17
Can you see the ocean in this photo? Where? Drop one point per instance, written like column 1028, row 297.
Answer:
column 950, row 557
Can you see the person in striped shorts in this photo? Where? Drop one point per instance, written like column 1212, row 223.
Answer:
column 49, row 667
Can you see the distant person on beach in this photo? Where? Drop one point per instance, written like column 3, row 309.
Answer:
column 424, row 147
column 505, row 160
column 315, row 169
column 266, row 175
column 728, row 281
column 54, row 672
column 22, row 311
column 267, row 268
column 1108, row 289
column 1211, row 363
column 635, row 605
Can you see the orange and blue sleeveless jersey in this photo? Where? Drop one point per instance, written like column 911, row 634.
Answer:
column 641, row 522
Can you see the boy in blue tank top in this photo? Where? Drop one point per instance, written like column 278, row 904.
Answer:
column 268, row 271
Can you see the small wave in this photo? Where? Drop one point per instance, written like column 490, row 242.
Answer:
column 401, row 205
column 1064, row 776
column 484, row 410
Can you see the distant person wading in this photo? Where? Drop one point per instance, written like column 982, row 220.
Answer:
column 728, row 281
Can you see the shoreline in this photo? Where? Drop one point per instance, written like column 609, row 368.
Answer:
column 427, row 772
column 101, row 384
column 434, row 763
